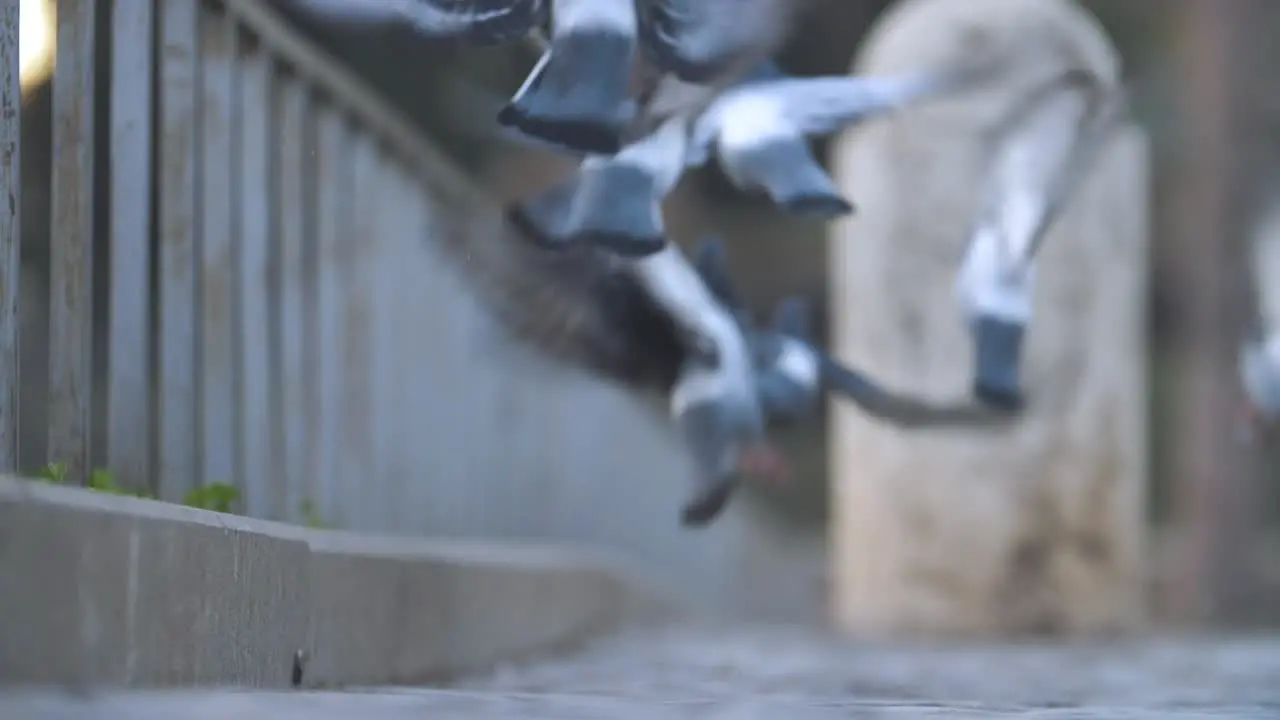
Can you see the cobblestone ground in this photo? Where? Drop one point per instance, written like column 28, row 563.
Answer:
column 776, row 675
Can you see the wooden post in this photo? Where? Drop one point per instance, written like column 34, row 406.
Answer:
column 1037, row 528
column 10, row 184
column 71, row 241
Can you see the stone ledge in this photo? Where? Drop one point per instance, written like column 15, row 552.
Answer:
column 97, row 588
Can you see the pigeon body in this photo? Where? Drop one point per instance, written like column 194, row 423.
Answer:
column 1039, row 154
column 577, row 95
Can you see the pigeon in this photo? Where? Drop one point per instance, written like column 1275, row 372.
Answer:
column 474, row 22
column 657, row 313
column 1260, row 375
column 714, row 405
column 1259, row 359
column 792, row 373
column 1039, row 154
column 702, row 41
column 758, row 129
column 578, row 94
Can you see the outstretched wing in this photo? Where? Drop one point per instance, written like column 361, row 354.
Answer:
column 1040, row 153
column 480, row 22
column 826, row 104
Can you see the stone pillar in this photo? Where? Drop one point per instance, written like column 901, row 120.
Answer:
column 1037, row 528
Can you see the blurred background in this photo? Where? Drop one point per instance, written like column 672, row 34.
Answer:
column 1201, row 74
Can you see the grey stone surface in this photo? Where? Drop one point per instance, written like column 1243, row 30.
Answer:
column 404, row 610
column 96, row 588
column 101, row 588
column 772, row 674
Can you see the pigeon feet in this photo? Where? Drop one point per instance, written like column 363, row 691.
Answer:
column 577, row 96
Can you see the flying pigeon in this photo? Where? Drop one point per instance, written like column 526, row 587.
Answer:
column 1259, row 360
column 474, row 22
column 578, row 94
column 792, row 373
column 1039, row 154
column 702, row 41
column 1260, row 374
column 758, row 129
column 711, row 397
column 715, row 405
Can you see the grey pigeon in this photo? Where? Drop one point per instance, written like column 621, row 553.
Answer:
column 1039, row 154
column 792, row 373
column 701, row 41
column 715, row 405
column 1260, row 373
column 475, row 22
column 758, row 129
column 578, row 94
column 711, row 397
column 1259, row 360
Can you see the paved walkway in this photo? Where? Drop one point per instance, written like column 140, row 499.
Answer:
column 773, row 675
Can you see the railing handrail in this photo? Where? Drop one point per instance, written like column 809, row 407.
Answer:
column 356, row 97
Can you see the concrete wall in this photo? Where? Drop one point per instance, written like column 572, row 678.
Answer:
column 104, row 589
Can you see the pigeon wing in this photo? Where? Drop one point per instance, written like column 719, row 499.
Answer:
column 702, row 41
column 1040, row 153
column 824, row 105
column 480, row 22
